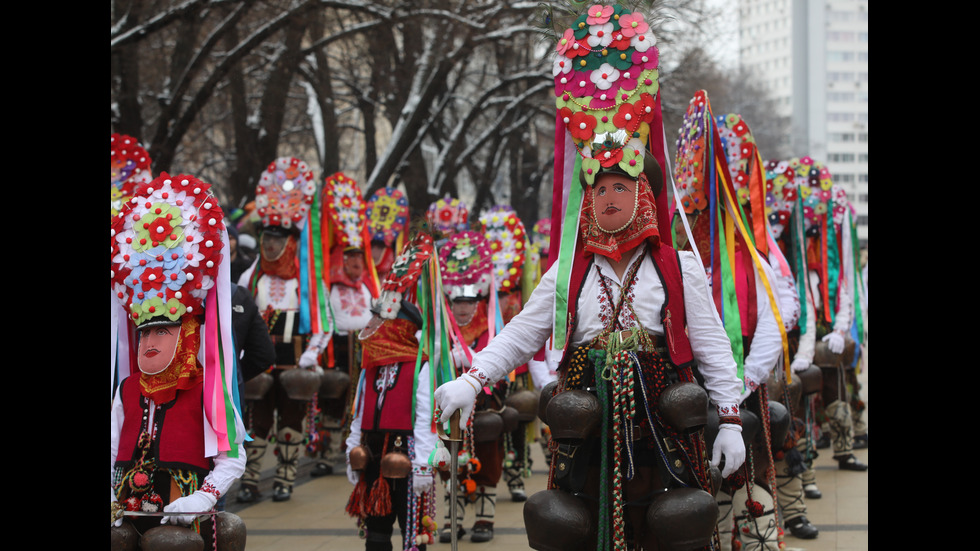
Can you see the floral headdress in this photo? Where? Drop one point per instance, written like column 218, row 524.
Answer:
column 387, row 213
column 168, row 262
column 465, row 265
column 285, row 192
column 448, row 216
column 343, row 201
column 505, row 234
column 606, row 83
column 693, row 163
column 401, row 281
column 129, row 164
column 782, row 192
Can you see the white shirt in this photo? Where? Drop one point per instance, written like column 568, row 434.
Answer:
column 529, row 330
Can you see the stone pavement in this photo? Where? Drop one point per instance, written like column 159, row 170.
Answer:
column 314, row 519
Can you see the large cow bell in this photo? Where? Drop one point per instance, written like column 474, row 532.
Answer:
column 300, row 384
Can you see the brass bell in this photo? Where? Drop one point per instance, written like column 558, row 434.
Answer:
column 395, row 464
column 359, row 456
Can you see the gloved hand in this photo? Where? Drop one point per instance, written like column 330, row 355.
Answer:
column 309, row 358
column 422, row 482
column 198, row 502
column 459, row 394
column 835, row 342
column 728, row 443
column 799, row 364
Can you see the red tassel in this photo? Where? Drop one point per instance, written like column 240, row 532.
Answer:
column 754, row 507
column 379, row 502
column 355, row 504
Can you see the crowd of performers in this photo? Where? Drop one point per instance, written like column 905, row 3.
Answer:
column 677, row 341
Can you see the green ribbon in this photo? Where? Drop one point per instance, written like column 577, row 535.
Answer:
column 858, row 282
column 730, row 316
column 566, row 255
column 323, row 297
column 833, row 263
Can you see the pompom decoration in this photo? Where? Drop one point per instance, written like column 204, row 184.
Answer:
column 506, row 236
column 284, row 194
column 166, row 248
column 440, row 458
column 466, row 267
column 129, row 165
column 754, row 508
column 343, row 201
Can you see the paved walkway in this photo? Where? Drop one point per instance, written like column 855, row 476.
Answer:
column 314, row 519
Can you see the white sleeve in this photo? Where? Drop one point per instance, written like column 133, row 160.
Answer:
column 786, row 296
column 226, row 470
column 522, row 337
column 767, row 342
column 425, row 439
column 354, row 438
column 709, row 342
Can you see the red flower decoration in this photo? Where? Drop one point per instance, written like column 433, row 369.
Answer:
column 582, row 126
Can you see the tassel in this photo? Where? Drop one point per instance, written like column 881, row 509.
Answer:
column 355, row 504
column 379, row 502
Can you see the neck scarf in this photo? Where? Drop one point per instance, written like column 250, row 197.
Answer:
column 393, row 342
column 285, row 266
column 183, row 372
column 642, row 228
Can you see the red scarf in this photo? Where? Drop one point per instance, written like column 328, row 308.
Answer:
column 393, row 342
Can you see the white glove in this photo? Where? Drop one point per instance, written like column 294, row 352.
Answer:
column 835, row 342
column 799, row 364
column 422, row 482
column 728, row 443
column 459, row 394
column 198, row 502
column 309, row 358
column 353, row 476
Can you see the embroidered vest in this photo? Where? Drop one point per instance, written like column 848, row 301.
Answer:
column 389, row 409
column 179, row 442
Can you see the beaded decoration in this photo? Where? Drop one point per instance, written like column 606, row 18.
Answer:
column 404, row 274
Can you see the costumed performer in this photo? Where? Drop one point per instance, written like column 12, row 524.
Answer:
column 289, row 292
column 721, row 191
column 391, row 433
column 631, row 314
column 175, row 430
column 467, row 279
column 352, row 288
